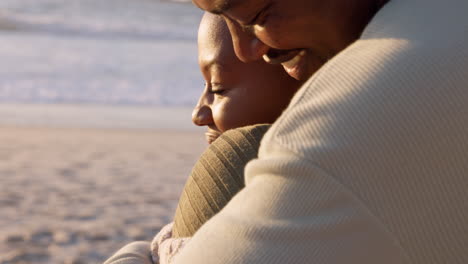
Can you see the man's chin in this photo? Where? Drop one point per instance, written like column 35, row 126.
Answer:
column 296, row 73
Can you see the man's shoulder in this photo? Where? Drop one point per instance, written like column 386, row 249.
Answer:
column 405, row 62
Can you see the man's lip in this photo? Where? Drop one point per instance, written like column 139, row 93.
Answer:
column 293, row 62
column 280, row 56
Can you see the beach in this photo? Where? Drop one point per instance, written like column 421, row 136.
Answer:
column 101, row 52
column 96, row 138
column 77, row 182
column 71, row 195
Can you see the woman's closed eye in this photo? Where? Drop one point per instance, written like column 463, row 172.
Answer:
column 217, row 88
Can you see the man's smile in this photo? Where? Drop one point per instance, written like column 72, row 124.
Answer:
column 293, row 61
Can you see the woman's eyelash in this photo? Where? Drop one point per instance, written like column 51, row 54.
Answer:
column 217, row 88
column 218, row 92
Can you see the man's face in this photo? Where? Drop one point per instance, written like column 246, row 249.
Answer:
column 299, row 34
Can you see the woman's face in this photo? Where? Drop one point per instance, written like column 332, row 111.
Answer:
column 237, row 94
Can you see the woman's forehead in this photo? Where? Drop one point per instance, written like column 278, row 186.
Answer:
column 212, row 6
column 214, row 35
column 217, row 6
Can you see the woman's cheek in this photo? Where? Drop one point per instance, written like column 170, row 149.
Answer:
column 232, row 112
column 220, row 115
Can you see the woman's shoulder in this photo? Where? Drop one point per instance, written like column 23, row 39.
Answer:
column 242, row 140
column 216, row 177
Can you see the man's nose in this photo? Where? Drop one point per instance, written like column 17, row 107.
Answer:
column 202, row 115
column 247, row 46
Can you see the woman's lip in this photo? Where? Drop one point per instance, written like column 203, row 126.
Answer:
column 280, row 56
column 211, row 135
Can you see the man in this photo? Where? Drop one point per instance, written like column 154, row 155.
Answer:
column 368, row 163
column 299, row 34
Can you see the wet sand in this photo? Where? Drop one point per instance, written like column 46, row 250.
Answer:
column 7, row 25
column 77, row 195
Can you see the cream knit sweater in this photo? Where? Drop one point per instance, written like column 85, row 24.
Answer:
column 369, row 164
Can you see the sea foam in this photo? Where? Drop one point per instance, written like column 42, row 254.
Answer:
column 139, row 52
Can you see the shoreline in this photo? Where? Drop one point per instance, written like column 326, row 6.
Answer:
column 97, row 116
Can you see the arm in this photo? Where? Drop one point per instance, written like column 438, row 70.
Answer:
column 165, row 246
column 161, row 250
column 133, row 253
column 292, row 212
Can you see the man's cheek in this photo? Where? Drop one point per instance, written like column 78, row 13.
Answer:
column 273, row 36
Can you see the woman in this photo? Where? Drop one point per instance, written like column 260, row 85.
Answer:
column 238, row 102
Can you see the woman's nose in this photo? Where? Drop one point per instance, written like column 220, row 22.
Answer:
column 247, row 46
column 202, row 115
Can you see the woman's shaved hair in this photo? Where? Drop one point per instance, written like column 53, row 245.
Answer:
column 214, row 29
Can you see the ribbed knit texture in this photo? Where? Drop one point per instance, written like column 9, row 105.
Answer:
column 216, row 178
column 369, row 163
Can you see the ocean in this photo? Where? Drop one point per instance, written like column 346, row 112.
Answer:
column 100, row 52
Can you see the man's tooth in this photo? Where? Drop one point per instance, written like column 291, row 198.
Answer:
column 266, row 58
column 295, row 59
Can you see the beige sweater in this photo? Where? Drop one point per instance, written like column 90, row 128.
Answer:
column 369, row 164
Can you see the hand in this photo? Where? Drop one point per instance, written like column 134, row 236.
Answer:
column 164, row 247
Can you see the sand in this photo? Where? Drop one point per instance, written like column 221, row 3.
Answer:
column 78, row 195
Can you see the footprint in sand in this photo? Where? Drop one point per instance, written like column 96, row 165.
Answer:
column 67, row 173
column 41, row 237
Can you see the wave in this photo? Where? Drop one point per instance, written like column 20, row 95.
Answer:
column 109, row 33
column 105, row 19
column 93, row 31
column 49, row 53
